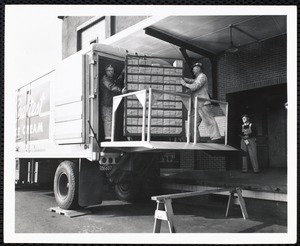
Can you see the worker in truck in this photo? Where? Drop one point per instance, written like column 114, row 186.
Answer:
column 109, row 87
column 199, row 88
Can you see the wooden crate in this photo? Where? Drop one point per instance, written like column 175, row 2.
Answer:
column 167, row 112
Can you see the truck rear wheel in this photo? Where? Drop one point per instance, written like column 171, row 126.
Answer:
column 127, row 191
column 66, row 185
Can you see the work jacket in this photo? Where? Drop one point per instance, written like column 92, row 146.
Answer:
column 110, row 88
column 199, row 88
column 248, row 131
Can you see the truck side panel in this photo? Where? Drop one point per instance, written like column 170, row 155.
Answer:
column 50, row 118
column 69, row 101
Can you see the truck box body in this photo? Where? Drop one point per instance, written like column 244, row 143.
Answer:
column 53, row 110
column 59, row 128
column 58, row 112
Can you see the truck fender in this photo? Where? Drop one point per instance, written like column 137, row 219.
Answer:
column 90, row 183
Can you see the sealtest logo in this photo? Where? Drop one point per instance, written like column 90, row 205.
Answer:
column 33, row 107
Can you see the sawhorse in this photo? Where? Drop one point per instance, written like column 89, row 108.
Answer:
column 164, row 210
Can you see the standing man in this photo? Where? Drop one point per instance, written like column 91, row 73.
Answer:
column 248, row 144
column 108, row 89
column 199, row 88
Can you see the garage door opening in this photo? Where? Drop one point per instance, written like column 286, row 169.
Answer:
column 266, row 107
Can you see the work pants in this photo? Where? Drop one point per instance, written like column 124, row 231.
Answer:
column 106, row 114
column 251, row 150
column 205, row 114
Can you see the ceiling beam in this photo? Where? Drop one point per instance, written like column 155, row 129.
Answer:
column 177, row 41
column 244, row 32
column 186, row 57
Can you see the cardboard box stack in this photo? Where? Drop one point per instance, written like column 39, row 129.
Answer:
column 167, row 115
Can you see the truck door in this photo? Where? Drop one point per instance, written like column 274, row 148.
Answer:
column 22, row 119
column 70, row 101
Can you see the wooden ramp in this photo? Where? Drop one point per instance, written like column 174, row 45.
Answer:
column 70, row 213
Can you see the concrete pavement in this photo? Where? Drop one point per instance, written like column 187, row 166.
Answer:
column 114, row 216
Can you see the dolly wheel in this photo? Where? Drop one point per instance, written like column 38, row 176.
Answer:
column 66, row 185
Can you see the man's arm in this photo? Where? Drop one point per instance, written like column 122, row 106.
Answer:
column 120, row 79
column 189, row 81
column 197, row 84
column 111, row 86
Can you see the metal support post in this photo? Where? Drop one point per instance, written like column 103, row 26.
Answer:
column 149, row 116
column 195, row 120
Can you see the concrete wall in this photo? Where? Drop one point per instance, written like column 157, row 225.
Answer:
column 123, row 22
column 69, row 34
column 113, row 25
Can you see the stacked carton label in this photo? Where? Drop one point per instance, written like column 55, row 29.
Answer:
column 143, row 73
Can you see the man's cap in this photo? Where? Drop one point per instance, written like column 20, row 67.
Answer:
column 108, row 66
column 197, row 64
column 245, row 115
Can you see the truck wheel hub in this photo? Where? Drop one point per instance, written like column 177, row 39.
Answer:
column 63, row 185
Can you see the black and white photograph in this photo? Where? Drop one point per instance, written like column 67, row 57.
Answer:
column 150, row 124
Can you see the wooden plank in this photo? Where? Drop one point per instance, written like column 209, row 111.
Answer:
column 170, row 214
column 157, row 226
column 229, row 204
column 242, row 203
column 189, row 194
column 69, row 213
column 157, row 222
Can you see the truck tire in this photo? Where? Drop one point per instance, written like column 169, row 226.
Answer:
column 66, row 185
column 127, row 191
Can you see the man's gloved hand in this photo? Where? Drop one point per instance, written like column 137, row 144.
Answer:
column 183, row 83
column 124, row 90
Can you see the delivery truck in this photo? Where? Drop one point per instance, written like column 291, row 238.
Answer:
column 59, row 130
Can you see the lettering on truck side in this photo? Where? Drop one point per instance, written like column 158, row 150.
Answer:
column 33, row 113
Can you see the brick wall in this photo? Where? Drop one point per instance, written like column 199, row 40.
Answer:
column 209, row 162
column 187, row 159
column 254, row 66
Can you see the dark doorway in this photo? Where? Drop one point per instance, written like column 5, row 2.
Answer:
column 118, row 67
column 266, row 108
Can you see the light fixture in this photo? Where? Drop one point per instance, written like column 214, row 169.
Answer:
column 232, row 48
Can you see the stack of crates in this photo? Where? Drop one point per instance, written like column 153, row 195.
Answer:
column 167, row 113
